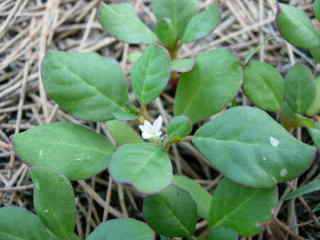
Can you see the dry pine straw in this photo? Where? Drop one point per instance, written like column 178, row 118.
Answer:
column 28, row 28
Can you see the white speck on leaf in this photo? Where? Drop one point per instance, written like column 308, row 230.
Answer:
column 283, row 172
column 152, row 131
column 46, row 211
column 274, row 142
column 264, row 159
column 41, row 153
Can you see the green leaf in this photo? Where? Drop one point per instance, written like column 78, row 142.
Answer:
column 295, row 26
column 316, row 7
column 171, row 213
column 210, row 86
column 201, row 197
column 19, row 224
column 182, row 65
column 202, row 24
column 85, row 84
column 250, row 148
column 315, row 134
column 146, row 166
column 123, row 133
column 222, row 233
column 242, row 209
column 178, row 128
column 122, row 22
column 179, row 12
column 54, row 202
column 315, row 52
column 300, row 88
column 122, row 229
column 314, row 108
column 311, row 187
column 72, row 150
column 148, row 79
column 264, row 85
column 167, row 33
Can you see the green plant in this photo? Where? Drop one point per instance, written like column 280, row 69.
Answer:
column 251, row 149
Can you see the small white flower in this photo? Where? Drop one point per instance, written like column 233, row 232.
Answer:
column 274, row 142
column 152, row 131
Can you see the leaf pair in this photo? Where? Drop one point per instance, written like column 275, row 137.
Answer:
column 232, row 209
column 179, row 21
column 302, row 94
column 176, row 20
column 298, row 93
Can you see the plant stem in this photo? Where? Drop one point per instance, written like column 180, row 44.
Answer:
column 144, row 112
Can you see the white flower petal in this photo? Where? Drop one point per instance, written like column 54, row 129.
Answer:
column 146, row 135
column 142, row 128
column 151, row 131
column 148, row 125
column 157, row 125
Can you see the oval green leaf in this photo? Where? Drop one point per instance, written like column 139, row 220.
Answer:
column 252, row 149
column 295, row 26
column 202, row 24
column 54, row 202
column 171, row 213
column 179, row 12
column 242, row 209
column 123, row 133
column 201, row 197
column 264, row 86
column 300, row 88
column 85, row 84
column 122, row 229
column 148, row 79
column 121, row 21
column 210, row 86
column 145, row 166
column 178, row 128
column 19, row 224
column 73, row 150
